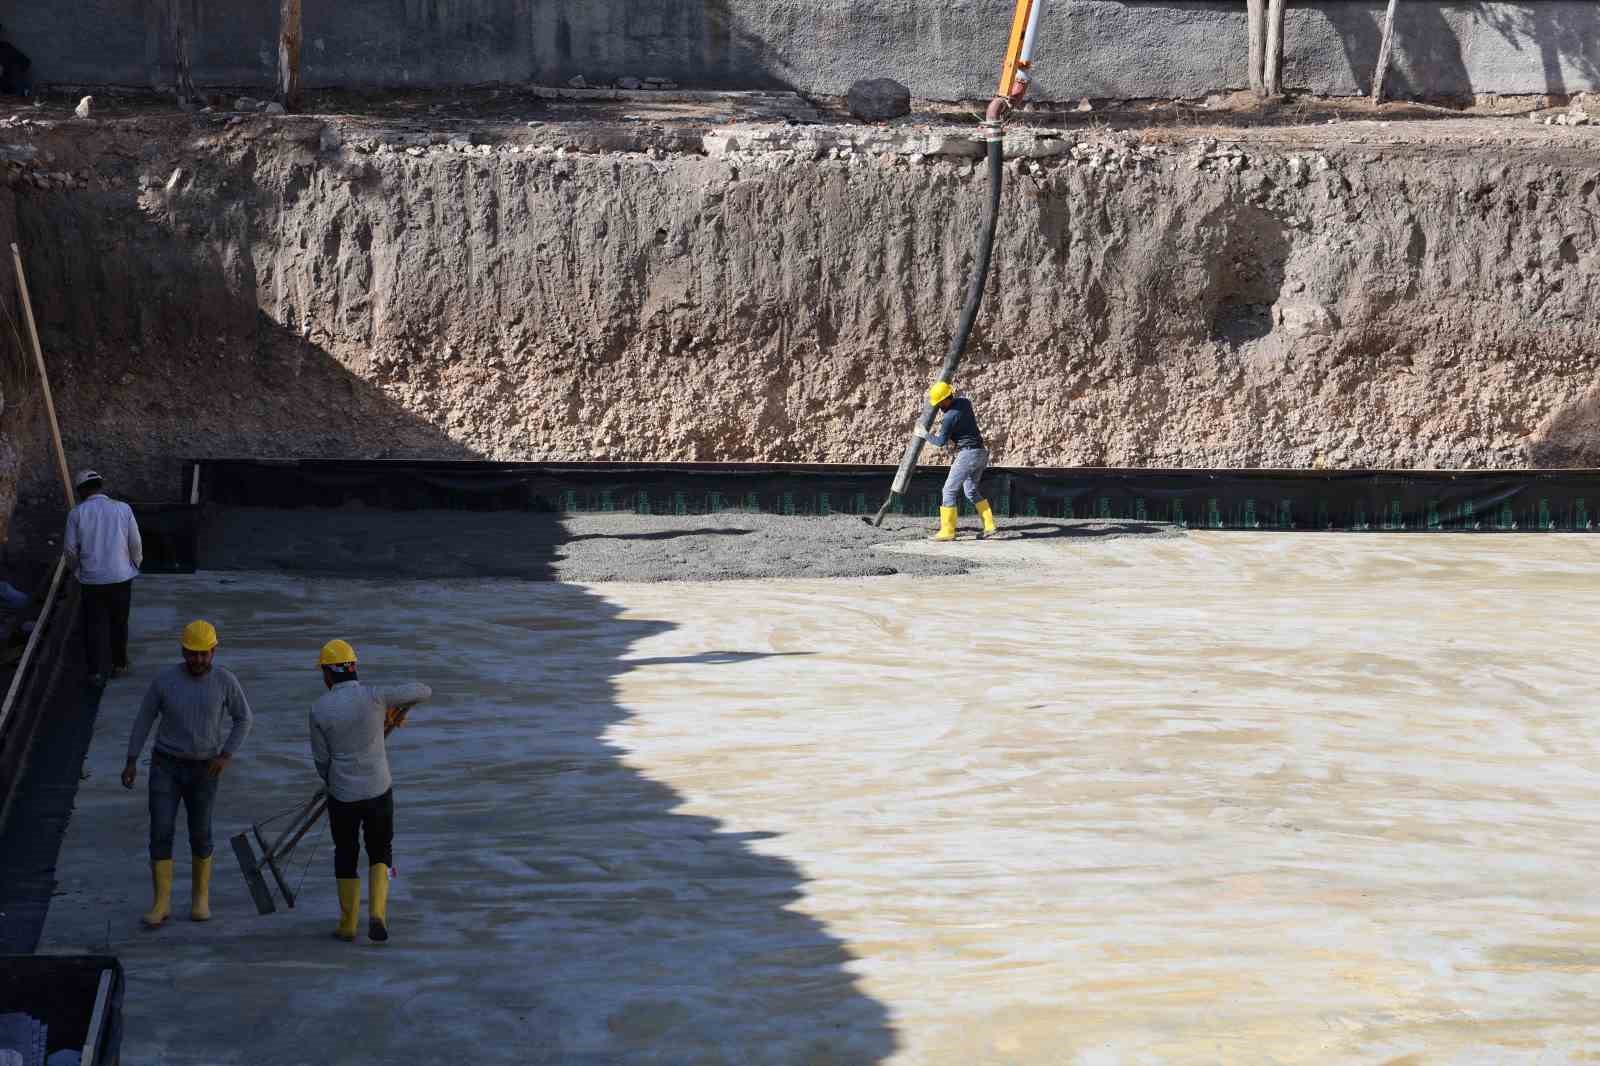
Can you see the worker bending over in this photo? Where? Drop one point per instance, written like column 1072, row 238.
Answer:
column 191, row 699
column 959, row 429
column 347, row 745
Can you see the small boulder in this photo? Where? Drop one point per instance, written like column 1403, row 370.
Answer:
column 85, row 107
column 629, row 83
column 878, row 99
column 578, row 82
column 275, row 108
column 247, row 103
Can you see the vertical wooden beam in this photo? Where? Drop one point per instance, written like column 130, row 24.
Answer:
column 183, row 79
column 44, row 380
column 289, row 53
column 1256, row 12
column 1383, row 54
column 1272, row 65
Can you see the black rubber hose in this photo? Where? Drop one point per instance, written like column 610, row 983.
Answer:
column 969, row 315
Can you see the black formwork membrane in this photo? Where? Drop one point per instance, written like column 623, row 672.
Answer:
column 1283, row 500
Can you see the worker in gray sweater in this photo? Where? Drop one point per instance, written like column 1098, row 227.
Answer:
column 190, row 699
column 348, row 724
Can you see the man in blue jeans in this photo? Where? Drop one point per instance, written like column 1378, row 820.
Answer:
column 191, row 700
column 959, row 429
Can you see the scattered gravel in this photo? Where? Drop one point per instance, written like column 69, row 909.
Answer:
column 597, row 547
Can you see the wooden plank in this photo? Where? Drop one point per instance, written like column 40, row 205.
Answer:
column 97, row 1021
column 44, row 379
column 289, row 54
column 33, row 642
column 1272, row 63
column 1256, row 13
column 1382, row 72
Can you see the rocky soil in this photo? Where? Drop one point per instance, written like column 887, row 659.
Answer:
column 1367, row 293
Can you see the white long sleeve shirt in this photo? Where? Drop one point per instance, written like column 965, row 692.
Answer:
column 347, row 736
column 102, row 541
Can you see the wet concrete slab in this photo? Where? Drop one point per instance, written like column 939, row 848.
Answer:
column 1225, row 798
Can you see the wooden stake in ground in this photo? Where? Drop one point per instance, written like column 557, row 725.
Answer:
column 1383, row 54
column 289, row 54
column 1256, row 12
column 1272, row 62
column 177, row 27
column 44, row 379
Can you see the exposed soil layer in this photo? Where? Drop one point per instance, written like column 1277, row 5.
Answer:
column 457, row 544
column 670, row 285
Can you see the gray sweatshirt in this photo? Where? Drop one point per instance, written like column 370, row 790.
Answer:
column 347, row 736
column 191, row 710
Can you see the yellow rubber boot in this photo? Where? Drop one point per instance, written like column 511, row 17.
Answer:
column 200, row 890
column 986, row 513
column 349, row 907
column 378, row 908
column 161, row 877
column 947, row 524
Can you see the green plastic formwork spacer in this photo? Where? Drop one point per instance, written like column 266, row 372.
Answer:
column 1580, row 518
column 642, row 505
column 1324, row 519
column 1397, row 515
column 1005, row 505
column 605, row 501
column 1361, row 516
column 680, row 503
column 1177, row 515
column 569, row 500
column 1285, row 514
column 713, row 502
column 897, row 505
column 788, row 503
column 1433, row 514
column 1139, row 514
column 858, row 503
column 824, row 505
column 1506, row 520
column 1544, row 515
column 1031, row 508
column 752, row 501
column 1249, row 519
column 1469, row 516
column 1102, row 507
column 1213, row 513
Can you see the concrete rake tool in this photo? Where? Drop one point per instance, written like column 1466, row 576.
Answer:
column 275, row 856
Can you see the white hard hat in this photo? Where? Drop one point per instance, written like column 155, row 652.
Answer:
column 87, row 475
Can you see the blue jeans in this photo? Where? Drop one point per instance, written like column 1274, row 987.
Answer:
column 966, row 470
column 173, row 779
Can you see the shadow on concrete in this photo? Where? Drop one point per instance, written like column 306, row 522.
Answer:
column 1061, row 531
column 1570, row 437
column 1564, row 35
column 663, row 534
column 1426, row 62
column 715, row 658
column 567, row 911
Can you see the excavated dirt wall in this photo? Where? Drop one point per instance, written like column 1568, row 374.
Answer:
column 1294, row 298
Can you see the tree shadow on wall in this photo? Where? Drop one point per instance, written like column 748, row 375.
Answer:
column 1565, row 35
column 562, row 901
column 1426, row 63
column 718, row 49
column 1570, row 437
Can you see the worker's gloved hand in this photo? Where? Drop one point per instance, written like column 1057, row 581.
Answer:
column 130, row 774
column 215, row 767
column 919, row 432
column 395, row 717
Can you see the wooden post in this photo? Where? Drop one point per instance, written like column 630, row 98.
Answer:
column 44, row 380
column 1383, row 54
column 289, row 54
column 1272, row 64
column 178, row 32
column 1256, row 14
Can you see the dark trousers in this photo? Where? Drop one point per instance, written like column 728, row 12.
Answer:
column 370, row 818
column 105, row 625
column 173, row 780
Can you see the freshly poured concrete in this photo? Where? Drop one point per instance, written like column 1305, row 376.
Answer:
column 1220, row 799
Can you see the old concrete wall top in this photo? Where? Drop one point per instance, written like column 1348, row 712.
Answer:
column 942, row 49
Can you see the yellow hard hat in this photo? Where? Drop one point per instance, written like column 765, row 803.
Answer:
column 335, row 652
column 940, row 392
column 199, row 635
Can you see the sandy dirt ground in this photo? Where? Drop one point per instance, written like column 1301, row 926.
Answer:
column 1221, row 798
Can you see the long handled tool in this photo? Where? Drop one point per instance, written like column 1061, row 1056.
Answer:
column 275, row 856
column 1014, row 79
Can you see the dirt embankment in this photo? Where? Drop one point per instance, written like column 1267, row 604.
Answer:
column 1354, row 295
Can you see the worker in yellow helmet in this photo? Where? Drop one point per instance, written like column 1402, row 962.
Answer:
column 347, row 746
column 191, row 699
column 958, row 428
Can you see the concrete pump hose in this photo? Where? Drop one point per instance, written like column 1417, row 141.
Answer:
column 969, row 311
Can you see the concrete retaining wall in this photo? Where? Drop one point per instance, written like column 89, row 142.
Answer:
column 942, row 49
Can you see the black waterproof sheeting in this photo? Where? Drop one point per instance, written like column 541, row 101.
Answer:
column 1282, row 500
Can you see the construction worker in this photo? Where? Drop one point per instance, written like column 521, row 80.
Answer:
column 958, row 428
column 191, row 699
column 347, row 745
column 103, row 547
